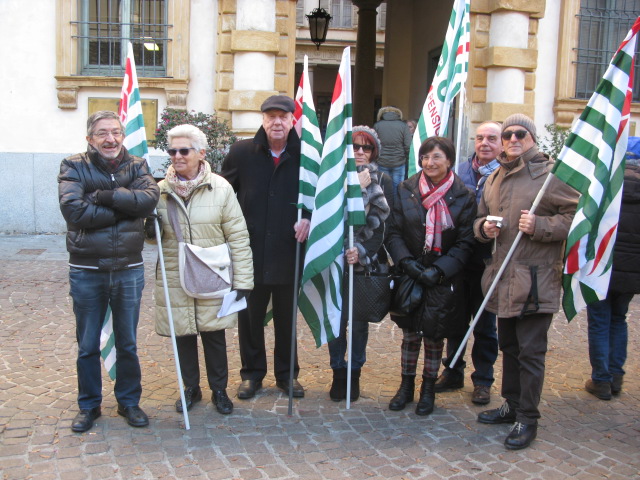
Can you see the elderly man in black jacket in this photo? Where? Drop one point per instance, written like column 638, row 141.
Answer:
column 105, row 195
column 264, row 172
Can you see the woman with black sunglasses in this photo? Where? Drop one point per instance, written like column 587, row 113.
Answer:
column 377, row 193
column 208, row 214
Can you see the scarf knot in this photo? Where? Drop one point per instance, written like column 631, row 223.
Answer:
column 438, row 216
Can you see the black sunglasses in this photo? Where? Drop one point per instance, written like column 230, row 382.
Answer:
column 366, row 148
column 183, row 151
column 520, row 134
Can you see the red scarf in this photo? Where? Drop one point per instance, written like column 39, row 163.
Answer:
column 438, row 216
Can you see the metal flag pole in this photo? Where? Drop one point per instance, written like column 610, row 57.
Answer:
column 167, row 300
column 350, row 322
column 499, row 274
column 294, row 321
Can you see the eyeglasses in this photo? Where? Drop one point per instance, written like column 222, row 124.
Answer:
column 366, row 148
column 520, row 134
column 436, row 157
column 183, row 151
column 106, row 133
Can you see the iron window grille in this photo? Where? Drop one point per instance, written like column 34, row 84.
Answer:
column 106, row 26
column 603, row 26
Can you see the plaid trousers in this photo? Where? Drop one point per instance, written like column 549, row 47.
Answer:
column 410, row 351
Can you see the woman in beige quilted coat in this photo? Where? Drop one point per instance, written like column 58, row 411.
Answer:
column 209, row 215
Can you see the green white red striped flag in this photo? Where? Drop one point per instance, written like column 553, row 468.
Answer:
column 592, row 162
column 320, row 298
column 130, row 111
column 135, row 141
column 311, row 142
column 450, row 77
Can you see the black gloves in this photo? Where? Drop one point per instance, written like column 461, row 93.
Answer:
column 105, row 197
column 240, row 294
column 411, row 267
column 428, row 276
column 150, row 226
column 431, row 276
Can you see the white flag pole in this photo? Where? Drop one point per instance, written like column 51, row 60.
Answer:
column 171, row 327
column 543, row 189
column 461, row 100
column 294, row 342
column 350, row 323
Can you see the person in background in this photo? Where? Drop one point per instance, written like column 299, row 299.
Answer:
column 264, row 172
column 607, row 319
column 412, row 124
column 208, row 215
column 528, row 292
column 377, row 194
column 474, row 174
column 431, row 239
column 105, row 194
column 395, row 138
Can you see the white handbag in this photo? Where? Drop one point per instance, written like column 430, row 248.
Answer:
column 205, row 272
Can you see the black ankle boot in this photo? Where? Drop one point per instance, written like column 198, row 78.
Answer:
column 427, row 396
column 355, row 384
column 339, row 385
column 404, row 394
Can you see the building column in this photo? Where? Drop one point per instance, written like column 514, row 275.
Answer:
column 364, row 87
column 505, row 59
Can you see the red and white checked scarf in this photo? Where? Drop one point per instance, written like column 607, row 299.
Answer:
column 438, row 216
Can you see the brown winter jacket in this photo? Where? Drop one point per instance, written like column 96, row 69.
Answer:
column 532, row 279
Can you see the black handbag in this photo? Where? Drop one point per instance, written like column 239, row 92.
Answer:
column 371, row 296
column 406, row 296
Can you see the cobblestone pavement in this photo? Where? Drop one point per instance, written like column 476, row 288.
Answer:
column 579, row 436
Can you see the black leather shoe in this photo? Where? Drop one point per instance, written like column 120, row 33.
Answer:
column 84, row 419
column 298, row 390
column 521, row 436
column 601, row 390
column 221, row 400
column 134, row 415
column 191, row 396
column 248, row 388
column 448, row 382
column 504, row 414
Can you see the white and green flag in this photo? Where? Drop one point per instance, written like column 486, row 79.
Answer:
column 450, row 77
column 338, row 197
column 135, row 141
column 592, row 162
column 311, row 143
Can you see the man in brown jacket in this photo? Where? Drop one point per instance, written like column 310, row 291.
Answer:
column 528, row 292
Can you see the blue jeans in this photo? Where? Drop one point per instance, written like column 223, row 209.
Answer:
column 396, row 174
column 338, row 347
column 92, row 291
column 608, row 335
column 485, row 337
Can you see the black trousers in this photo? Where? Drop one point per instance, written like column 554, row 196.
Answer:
column 253, row 353
column 214, row 346
column 523, row 342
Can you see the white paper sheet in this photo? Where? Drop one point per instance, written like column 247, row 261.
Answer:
column 229, row 304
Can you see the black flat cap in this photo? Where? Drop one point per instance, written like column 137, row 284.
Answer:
column 279, row 102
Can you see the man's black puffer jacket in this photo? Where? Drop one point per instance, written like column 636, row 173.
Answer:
column 101, row 237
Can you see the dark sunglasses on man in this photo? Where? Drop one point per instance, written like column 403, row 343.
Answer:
column 520, row 134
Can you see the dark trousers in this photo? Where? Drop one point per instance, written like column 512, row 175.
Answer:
column 485, row 338
column 253, row 353
column 523, row 343
column 214, row 346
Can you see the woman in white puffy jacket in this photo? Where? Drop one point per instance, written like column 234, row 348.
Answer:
column 209, row 215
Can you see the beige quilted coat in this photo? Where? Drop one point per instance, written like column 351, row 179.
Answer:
column 215, row 217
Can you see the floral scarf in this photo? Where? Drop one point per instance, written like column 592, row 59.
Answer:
column 438, row 216
column 184, row 188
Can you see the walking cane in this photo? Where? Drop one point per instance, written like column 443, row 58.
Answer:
column 499, row 274
column 170, row 317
